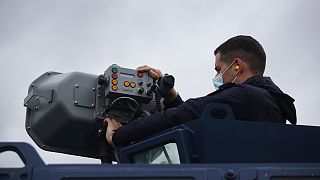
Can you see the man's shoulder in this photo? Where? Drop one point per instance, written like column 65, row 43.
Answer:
column 233, row 88
column 231, row 92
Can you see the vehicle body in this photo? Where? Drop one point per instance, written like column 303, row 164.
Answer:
column 216, row 146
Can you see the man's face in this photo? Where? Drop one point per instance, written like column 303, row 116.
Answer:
column 221, row 67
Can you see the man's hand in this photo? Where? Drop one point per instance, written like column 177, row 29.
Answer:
column 153, row 72
column 156, row 74
column 113, row 125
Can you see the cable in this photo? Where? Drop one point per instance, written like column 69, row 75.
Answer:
column 166, row 154
column 127, row 98
column 125, row 103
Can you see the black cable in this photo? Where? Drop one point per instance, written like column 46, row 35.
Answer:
column 134, row 107
column 157, row 97
column 166, row 154
column 127, row 98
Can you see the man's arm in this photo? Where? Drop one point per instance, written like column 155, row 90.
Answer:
column 139, row 128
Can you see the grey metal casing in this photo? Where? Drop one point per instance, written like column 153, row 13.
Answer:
column 61, row 113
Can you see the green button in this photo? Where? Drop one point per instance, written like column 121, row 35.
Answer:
column 140, row 90
column 114, row 70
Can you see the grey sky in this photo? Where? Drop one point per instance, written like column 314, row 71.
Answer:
column 177, row 36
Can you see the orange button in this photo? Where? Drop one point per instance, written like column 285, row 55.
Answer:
column 126, row 84
column 114, row 82
column 132, row 84
column 115, row 88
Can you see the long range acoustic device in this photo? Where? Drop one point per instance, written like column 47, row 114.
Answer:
column 65, row 111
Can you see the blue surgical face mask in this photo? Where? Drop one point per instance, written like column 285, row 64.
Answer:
column 218, row 80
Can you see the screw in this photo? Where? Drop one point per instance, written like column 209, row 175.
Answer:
column 93, row 89
column 37, row 107
column 75, row 102
column 230, row 175
column 77, row 85
column 92, row 105
column 28, row 128
column 32, row 85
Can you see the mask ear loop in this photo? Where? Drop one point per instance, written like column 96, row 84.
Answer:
column 234, row 79
column 228, row 68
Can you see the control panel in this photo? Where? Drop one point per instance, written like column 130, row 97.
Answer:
column 128, row 82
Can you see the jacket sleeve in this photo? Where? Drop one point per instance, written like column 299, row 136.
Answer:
column 178, row 101
column 141, row 127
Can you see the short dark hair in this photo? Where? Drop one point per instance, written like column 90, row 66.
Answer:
column 244, row 47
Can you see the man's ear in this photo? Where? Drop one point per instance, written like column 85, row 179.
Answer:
column 239, row 64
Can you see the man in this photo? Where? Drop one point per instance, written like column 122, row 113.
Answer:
column 240, row 64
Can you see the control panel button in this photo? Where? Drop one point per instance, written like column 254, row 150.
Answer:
column 126, row 83
column 133, row 84
column 140, row 90
column 148, row 84
column 115, row 88
column 114, row 82
column 114, row 70
column 140, row 83
column 114, row 76
column 140, row 74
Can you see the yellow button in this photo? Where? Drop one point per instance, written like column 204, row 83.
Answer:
column 114, row 82
column 126, row 84
column 115, row 88
column 132, row 84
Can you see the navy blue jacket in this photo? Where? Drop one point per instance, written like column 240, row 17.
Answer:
column 257, row 99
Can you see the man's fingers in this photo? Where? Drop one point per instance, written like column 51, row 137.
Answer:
column 154, row 75
column 106, row 121
column 144, row 69
column 112, row 123
column 117, row 124
column 112, row 126
column 141, row 67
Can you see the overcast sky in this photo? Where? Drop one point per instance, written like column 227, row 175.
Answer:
column 177, row 36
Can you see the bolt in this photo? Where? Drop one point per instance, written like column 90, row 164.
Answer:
column 37, row 107
column 48, row 73
column 92, row 105
column 99, row 95
column 93, row 89
column 230, row 175
column 77, row 85
column 75, row 102
column 28, row 128
column 194, row 156
column 32, row 85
